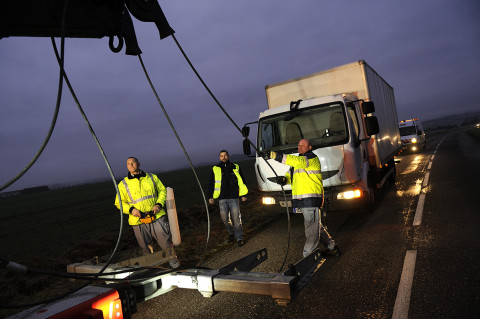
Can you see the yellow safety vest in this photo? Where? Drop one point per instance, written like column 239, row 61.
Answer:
column 217, row 172
column 307, row 177
column 142, row 193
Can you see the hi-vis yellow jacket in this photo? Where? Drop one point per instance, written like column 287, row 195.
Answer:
column 141, row 193
column 217, row 172
column 307, row 186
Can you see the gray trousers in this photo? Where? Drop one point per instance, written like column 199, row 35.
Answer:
column 314, row 231
column 158, row 230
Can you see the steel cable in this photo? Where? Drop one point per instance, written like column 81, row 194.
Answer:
column 238, row 128
column 184, row 151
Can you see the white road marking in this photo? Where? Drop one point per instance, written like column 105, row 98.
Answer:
column 402, row 302
column 417, row 220
column 425, row 180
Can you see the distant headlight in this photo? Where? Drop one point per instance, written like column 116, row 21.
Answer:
column 414, row 140
column 268, row 200
column 350, row 194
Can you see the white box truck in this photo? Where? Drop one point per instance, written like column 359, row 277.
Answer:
column 412, row 135
column 349, row 115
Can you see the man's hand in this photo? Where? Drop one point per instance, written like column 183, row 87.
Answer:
column 266, row 155
column 136, row 212
column 244, row 199
column 156, row 208
column 211, row 201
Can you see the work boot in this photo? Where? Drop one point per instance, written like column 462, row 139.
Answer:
column 240, row 243
column 332, row 252
column 231, row 238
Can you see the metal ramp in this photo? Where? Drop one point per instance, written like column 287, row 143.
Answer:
column 235, row 277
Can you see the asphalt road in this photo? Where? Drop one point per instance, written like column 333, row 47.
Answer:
column 369, row 280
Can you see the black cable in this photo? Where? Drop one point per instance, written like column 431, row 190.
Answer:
column 103, row 155
column 238, row 128
column 184, row 151
column 95, row 276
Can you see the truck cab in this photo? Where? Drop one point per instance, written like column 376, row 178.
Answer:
column 412, row 135
column 339, row 131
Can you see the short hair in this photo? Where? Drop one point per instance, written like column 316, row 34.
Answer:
column 136, row 159
column 223, row 151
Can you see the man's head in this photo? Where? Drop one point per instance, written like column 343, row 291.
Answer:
column 224, row 156
column 304, row 146
column 133, row 165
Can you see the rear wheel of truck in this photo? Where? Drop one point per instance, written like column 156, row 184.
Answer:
column 372, row 192
column 393, row 176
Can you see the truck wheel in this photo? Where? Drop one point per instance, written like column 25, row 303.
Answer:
column 371, row 199
column 393, row 177
column 372, row 192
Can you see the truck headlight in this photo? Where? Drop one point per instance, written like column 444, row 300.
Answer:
column 356, row 193
column 268, row 200
column 414, row 140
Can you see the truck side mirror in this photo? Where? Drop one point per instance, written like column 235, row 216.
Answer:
column 371, row 123
column 246, row 146
column 245, row 131
column 368, row 107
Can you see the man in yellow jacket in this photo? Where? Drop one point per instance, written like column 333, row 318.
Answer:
column 227, row 185
column 307, row 194
column 143, row 198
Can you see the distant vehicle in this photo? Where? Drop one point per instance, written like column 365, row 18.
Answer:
column 355, row 139
column 412, row 135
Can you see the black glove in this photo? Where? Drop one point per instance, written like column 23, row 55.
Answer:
column 282, row 180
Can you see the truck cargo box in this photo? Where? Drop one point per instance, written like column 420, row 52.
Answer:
column 357, row 79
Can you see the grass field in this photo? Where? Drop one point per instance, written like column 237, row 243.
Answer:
column 52, row 229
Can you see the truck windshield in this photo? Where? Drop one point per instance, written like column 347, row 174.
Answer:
column 324, row 125
column 408, row 130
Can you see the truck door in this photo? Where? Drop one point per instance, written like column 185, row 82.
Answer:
column 354, row 149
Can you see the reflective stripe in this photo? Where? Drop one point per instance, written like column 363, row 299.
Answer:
column 142, row 199
column 132, row 201
column 306, row 196
column 128, row 190
column 302, row 170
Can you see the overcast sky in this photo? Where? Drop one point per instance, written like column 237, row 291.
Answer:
column 427, row 50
